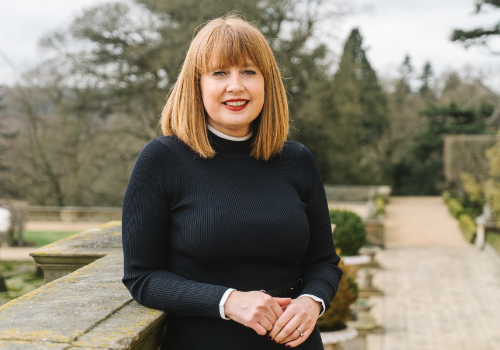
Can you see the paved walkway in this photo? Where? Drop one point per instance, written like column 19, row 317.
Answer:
column 440, row 293
column 421, row 222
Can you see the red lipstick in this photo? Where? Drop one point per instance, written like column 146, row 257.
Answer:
column 235, row 108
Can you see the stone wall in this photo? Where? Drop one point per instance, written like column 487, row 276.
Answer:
column 89, row 308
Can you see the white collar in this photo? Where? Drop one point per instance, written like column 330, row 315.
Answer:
column 227, row 137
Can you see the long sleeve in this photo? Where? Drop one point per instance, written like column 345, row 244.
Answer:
column 145, row 241
column 319, row 266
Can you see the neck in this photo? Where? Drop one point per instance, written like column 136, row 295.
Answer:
column 227, row 137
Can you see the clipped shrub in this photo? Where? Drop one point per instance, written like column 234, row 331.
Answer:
column 380, row 205
column 350, row 232
column 467, row 226
column 336, row 317
column 446, row 196
column 455, row 207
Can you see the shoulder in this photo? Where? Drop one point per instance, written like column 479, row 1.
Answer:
column 156, row 154
column 163, row 146
column 299, row 150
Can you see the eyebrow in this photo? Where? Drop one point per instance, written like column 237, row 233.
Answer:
column 246, row 65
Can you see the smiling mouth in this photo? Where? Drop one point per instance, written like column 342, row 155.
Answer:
column 236, row 103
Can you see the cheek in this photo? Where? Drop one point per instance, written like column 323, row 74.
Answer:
column 259, row 91
column 210, row 96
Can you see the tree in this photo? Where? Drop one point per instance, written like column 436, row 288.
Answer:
column 423, row 171
column 403, row 84
column 425, row 78
column 403, row 121
column 478, row 36
column 99, row 98
column 359, row 115
column 66, row 151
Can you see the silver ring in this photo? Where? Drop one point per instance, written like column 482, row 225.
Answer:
column 301, row 334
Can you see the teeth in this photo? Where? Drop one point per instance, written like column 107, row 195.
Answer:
column 235, row 104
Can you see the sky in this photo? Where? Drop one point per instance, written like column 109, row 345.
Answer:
column 390, row 28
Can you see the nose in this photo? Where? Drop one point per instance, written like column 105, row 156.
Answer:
column 235, row 83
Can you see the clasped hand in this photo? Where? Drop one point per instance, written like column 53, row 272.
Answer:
column 278, row 316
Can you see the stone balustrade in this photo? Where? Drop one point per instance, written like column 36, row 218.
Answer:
column 81, row 307
column 73, row 214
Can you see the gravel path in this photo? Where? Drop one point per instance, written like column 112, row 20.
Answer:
column 440, row 293
column 421, row 222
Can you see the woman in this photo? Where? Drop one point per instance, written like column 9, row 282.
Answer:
column 225, row 223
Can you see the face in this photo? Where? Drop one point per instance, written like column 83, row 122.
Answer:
column 233, row 97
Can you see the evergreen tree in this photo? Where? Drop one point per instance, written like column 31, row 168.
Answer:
column 360, row 115
column 425, row 78
column 481, row 35
column 403, row 83
column 422, row 172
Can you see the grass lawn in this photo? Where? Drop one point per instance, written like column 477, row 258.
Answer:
column 41, row 238
column 493, row 239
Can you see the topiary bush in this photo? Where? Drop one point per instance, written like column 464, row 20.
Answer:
column 454, row 207
column 446, row 196
column 380, row 205
column 468, row 227
column 350, row 232
column 339, row 313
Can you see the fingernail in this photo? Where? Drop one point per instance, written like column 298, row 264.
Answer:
column 269, row 337
column 288, row 346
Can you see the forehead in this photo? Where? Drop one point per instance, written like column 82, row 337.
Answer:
column 214, row 64
column 226, row 49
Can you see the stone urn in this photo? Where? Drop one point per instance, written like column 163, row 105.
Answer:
column 365, row 322
column 332, row 340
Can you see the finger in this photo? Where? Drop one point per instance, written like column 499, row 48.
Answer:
column 300, row 339
column 277, row 309
column 268, row 311
column 257, row 327
column 281, row 322
column 283, row 301
column 289, row 328
column 295, row 334
column 265, row 323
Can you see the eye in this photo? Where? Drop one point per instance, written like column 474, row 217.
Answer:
column 218, row 73
column 249, row 72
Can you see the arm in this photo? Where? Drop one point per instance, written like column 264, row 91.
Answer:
column 145, row 241
column 319, row 266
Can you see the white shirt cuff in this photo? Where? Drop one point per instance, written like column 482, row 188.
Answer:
column 223, row 301
column 317, row 299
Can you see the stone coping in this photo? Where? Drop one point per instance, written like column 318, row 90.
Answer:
column 87, row 309
column 84, row 247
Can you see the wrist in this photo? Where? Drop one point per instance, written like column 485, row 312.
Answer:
column 230, row 298
column 315, row 305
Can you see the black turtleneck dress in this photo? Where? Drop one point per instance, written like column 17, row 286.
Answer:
column 194, row 227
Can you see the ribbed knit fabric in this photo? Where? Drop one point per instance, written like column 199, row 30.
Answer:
column 194, row 227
